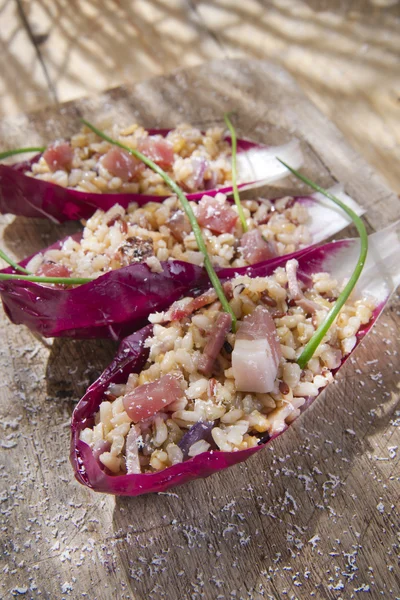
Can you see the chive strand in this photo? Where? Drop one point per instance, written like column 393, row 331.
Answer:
column 12, row 263
column 322, row 330
column 234, row 172
column 8, row 153
column 188, row 210
column 40, row 279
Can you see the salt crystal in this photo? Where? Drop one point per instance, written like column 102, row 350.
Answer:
column 337, row 587
column 19, row 590
column 363, row 588
column 314, row 540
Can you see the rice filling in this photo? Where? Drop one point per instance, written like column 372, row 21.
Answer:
column 161, row 231
column 87, row 163
column 171, row 411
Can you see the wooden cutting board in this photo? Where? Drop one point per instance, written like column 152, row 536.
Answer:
column 313, row 515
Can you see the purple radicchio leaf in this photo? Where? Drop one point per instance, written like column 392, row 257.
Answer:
column 199, row 431
column 381, row 277
column 32, row 197
column 120, row 301
column 111, row 306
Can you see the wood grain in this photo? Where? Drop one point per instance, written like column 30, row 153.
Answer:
column 344, row 54
column 23, row 85
column 313, row 515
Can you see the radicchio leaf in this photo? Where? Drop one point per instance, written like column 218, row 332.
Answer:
column 381, row 276
column 120, row 301
column 199, row 431
column 32, row 197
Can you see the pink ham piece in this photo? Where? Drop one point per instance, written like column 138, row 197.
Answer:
column 219, row 218
column 53, row 270
column 59, row 156
column 257, row 352
column 214, row 343
column 120, row 163
column 132, row 450
column 149, row 398
column 181, row 309
column 159, row 151
column 295, row 292
column 293, row 284
column 179, row 225
column 185, row 307
column 309, row 306
column 211, row 183
column 199, row 165
column 254, row 248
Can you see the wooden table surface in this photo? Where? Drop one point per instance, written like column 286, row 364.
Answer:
column 316, row 514
column 343, row 53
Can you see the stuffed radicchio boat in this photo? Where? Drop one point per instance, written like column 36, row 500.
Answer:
column 185, row 397
column 71, row 179
column 144, row 258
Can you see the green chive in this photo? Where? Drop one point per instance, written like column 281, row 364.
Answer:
column 234, row 172
column 188, row 210
column 39, row 279
column 12, row 262
column 8, row 153
column 322, row 330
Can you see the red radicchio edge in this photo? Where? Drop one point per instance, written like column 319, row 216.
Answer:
column 120, row 301
column 111, row 306
column 382, row 275
column 32, row 197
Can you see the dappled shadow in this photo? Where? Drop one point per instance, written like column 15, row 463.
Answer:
column 25, row 236
column 23, row 83
column 344, row 54
column 73, row 365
